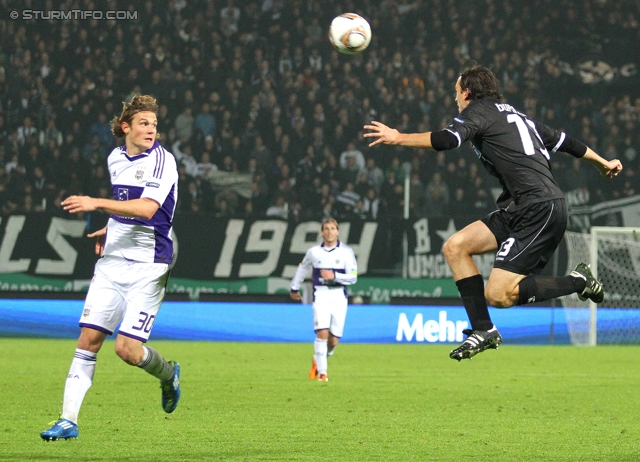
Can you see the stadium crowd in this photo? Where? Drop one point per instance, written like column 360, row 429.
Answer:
column 265, row 118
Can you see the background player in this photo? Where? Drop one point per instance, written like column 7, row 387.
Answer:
column 129, row 280
column 532, row 214
column 334, row 267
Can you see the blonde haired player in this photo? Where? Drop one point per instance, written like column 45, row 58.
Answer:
column 129, row 282
column 334, row 267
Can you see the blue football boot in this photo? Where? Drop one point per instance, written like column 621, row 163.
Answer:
column 63, row 429
column 171, row 390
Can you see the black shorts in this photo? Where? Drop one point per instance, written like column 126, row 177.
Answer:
column 528, row 237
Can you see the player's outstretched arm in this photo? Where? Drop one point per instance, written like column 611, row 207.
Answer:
column 137, row 208
column 607, row 168
column 383, row 134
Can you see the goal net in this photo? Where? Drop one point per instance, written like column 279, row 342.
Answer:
column 614, row 256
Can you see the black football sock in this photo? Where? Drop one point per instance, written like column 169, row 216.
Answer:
column 472, row 292
column 539, row 288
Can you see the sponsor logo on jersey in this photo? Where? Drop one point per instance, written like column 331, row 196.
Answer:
column 153, row 185
column 86, row 312
column 123, row 194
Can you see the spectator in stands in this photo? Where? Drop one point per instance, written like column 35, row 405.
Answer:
column 228, row 164
column 99, row 179
column 371, row 204
column 4, row 129
column 461, row 205
column 357, row 156
column 280, row 209
column 50, row 133
column 328, row 208
column 347, row 199
column 189, row 162
column 204, row 167
column 309, row 196
column 92, row 147
column 184, row 124
column 375, row 175
column 396, row 168
column 238, row 153
column 362, row 185
column 416, row 196
column 26, row 130
column 192, row 200
column 262, row 155
column 435, row 203
column 437, row 193
column 29, row 205
column 575, row 177
column 482, row 199
column 358, row 212
column 231, row 200
column 349, row 173
column 102, row 130
column 259, row 193
column 205, row 121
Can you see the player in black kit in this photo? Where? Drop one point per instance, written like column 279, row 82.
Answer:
column 532, row 214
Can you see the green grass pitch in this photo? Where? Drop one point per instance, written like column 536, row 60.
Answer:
column 253, row 401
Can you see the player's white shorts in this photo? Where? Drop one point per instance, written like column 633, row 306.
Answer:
column 330, row 310
column 126, row 291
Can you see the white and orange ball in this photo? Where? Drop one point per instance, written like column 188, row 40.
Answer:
column 350, row 33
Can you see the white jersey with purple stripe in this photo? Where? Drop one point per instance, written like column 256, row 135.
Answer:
column 152, row 174
column 339, row 258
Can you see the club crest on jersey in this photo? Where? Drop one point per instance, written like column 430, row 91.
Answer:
column 140, row 173
column 86, row 312
column 123, row 194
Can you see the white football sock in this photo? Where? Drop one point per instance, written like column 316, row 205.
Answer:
column 321, row 355
column 79, row 380
column 153, row 363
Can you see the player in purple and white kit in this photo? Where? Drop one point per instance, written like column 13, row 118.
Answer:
column 136, row 251
column 333, row 266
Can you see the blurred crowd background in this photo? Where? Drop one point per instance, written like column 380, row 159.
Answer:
column 265, row 118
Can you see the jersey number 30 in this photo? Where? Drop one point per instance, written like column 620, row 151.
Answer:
column 525, row 135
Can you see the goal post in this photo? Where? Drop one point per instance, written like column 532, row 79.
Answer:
column 614, row 256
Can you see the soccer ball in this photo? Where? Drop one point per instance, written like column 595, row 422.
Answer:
column 350, row 33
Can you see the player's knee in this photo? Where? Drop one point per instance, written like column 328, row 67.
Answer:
column 498, row 297
column 90, row 340
column 453, row 247
column 127, row 354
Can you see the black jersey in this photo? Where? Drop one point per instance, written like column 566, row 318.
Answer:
column 513, row 148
